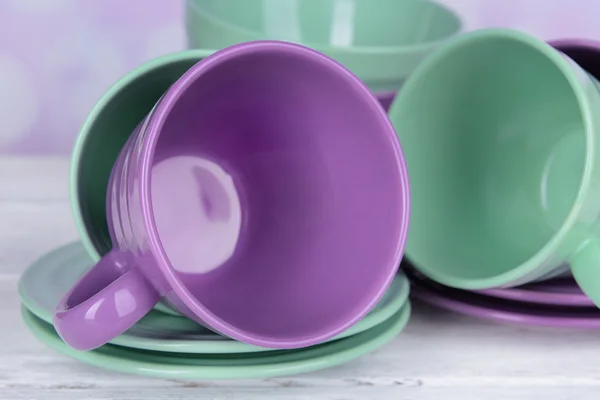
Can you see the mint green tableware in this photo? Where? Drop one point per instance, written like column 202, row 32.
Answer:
column 224, row 366
column 381, row 41
column 104, row 133
column 502, row 138
column 46, row 281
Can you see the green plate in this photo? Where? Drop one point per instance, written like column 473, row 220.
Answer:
column 225, row 366
column 45, row 282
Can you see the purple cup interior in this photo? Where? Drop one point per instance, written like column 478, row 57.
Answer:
column 279, row 194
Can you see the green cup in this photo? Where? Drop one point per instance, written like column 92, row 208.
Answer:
column 501, row 134
column 104, row 133
column 381, row 41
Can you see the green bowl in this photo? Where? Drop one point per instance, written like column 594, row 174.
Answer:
column 381, row 41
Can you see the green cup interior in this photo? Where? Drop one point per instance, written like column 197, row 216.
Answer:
column 495, row 142
column 104, row 133
column 348, row 23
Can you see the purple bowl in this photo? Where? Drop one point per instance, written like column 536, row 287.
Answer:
column 385, row 99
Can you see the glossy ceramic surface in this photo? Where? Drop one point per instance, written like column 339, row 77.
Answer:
column 228, row 366
column 385, row 99
column 211, row 197
column 381, row 41
column 562, row 292
column 104, row 134
column 585, row 53
column 500, row 133
column 49, row 278
column 559, row 292
column 503, row 310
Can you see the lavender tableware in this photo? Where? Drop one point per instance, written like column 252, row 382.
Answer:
column 558, row 292
column 45, row 282
column 104, row 133
column 585, row 52
column 385, row 99
column 501, row 310
column 560, row 285
column 264, row 196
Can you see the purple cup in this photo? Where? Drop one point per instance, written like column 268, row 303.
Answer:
column 265, row 196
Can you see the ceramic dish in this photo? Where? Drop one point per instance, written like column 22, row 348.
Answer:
column 503, row 310
column 45, row 281
column 228, row 366
column 385, row 99
column 559, row 292
column 382, row 41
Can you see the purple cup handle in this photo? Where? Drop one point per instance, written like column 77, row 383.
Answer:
column 105, row 302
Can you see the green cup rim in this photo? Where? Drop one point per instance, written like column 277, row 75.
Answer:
column 90, row 121
column 555, row 57
column 350, row 50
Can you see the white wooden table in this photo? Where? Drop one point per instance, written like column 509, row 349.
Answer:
column 440, row 355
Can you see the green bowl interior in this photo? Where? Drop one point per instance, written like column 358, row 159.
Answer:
column 495, row 144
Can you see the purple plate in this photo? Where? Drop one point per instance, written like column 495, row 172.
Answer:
column 556, row 292
column 559, row 292
column 503, row 310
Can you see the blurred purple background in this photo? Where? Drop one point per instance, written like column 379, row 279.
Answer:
column 58, row 56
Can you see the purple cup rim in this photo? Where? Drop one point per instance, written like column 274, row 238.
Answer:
column 148, row 146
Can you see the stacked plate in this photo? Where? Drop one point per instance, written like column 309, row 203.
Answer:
column 553, row 303
column 165, row 344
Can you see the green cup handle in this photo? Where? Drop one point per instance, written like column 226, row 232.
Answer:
column 585, row 267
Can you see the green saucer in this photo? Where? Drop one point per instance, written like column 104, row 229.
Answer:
column 45, row 282
column 225, row 366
